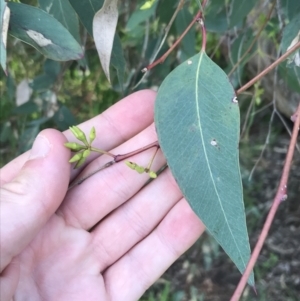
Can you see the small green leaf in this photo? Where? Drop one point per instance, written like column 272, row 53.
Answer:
column 198, row 126
column 40, row 30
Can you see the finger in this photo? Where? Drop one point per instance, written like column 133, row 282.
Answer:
column 117, row 124
column 137, row 270
column 9, row 279
column 133, row 221
column 34, row 194
column 86, row 204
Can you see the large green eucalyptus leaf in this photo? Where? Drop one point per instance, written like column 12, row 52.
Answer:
column 198, row 124
column 62, row 11
column 40, row 30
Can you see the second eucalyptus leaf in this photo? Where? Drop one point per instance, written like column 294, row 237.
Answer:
column 104, row 28
column 40, row 30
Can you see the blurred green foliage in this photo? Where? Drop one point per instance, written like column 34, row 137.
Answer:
column 64, row 93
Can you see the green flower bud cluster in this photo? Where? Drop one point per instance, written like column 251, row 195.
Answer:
column 140, row 169
column 82, row 150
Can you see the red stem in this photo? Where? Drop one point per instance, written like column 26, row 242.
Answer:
column 201, row 22
column 281, row 195
column 162, row 58
column 118, row 158
column 268, row 69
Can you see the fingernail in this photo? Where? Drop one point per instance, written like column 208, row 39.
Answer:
column 40, row 148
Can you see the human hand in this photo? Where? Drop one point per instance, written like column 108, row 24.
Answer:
column 108, row 238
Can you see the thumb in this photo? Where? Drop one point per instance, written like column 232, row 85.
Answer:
column 29, row 200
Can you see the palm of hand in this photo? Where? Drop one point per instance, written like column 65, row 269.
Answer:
column 60, row 264
column 111, row 237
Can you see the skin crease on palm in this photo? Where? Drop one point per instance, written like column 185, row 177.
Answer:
column 108, row 238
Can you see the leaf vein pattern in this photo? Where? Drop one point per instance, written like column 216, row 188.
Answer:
column 205, row 152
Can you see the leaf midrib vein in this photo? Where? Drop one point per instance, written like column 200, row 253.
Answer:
column 205, row 153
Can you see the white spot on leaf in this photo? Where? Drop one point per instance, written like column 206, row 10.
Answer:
column 38, row 38
column 189, row 62
column 235, row 100
column 213, row 142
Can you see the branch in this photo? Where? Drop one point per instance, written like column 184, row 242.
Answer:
column 281, row 195
column 268, row 69
column 162, row 58
column 117, row 158
column 167, row 29
column 254, row 41
column 197, row 18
